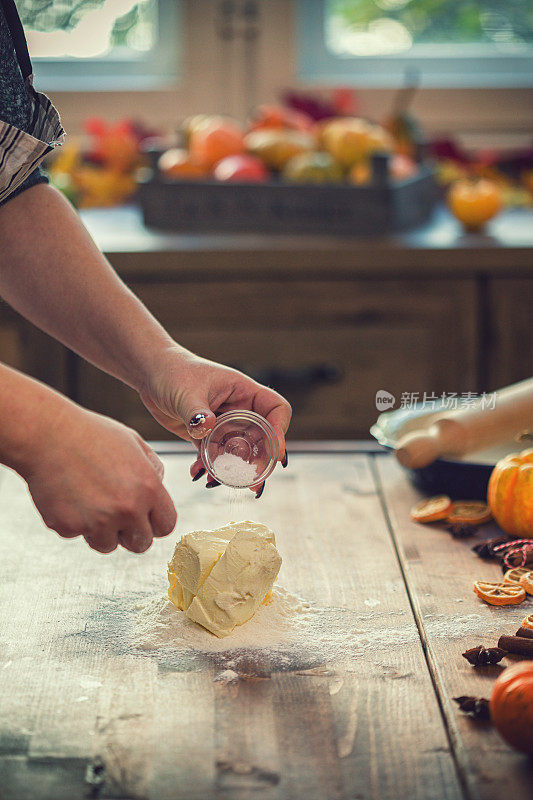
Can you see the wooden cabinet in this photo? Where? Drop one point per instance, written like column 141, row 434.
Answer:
column 11, row 351
column 511, row 330
column 328, row 346
column 25, row 347
column 328, row 322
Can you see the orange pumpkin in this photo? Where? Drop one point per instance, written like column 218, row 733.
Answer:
column 474, row 202
column 511, row 706
column 510, row 494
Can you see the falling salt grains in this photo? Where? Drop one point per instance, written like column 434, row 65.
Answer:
column 234, row 471
column 237, row 502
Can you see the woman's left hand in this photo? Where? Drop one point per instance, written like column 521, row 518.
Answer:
column 186, row 393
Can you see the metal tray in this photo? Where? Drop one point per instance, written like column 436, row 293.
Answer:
column 461, row 478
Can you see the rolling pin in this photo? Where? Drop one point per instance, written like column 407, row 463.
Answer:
column 469, row 429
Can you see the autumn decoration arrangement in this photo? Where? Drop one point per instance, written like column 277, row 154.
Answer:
column 297, row 141
column 282, row 144
column 510, row 503
column 100, row 168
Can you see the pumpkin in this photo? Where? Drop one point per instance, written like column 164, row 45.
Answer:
column 474, row 202
column 510, row 494
column 511, row 706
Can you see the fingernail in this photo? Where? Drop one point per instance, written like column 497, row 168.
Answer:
column 260, row 491
column 285, row 460
column 199, row 474
column 212, row 484
column 198, row 419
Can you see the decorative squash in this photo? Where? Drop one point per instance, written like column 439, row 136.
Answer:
column 510, row 494
column 474, row 202
column 511, row 706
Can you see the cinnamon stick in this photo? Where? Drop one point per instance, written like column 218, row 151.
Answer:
column 516, row 644
column 526, row 633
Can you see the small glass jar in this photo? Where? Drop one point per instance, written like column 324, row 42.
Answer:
column 241, row 451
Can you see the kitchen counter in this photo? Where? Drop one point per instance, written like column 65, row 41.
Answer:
column 361, row 708
column 439, row 245
column 326, row 321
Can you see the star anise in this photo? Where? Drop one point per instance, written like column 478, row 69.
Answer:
column 483, row 656
column 476, row 707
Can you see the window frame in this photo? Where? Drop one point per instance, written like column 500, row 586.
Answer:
column 156, row 69
column 470, row 66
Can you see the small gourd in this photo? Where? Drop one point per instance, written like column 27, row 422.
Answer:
column 511, row 706
column 510, row 494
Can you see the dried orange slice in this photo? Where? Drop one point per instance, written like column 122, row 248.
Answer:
column 514, row 575
column 469, row 512
column 526, row 582
column 432, row 510
column 527, row 622
column 500, row 594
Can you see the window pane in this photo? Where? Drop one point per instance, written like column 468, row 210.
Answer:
column 382, row 27
column 89, row 28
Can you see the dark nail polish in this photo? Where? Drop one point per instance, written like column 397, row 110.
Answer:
column 198, row 419
column 212, row 484
column 285, row 460
column 199, row 474
column 260, row 491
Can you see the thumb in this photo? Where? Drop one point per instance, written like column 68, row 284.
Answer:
column 196, row 415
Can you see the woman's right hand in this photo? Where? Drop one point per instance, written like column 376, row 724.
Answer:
column 93, row 477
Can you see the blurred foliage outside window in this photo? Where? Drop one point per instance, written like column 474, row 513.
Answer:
column 89, row 28
column 383, row 27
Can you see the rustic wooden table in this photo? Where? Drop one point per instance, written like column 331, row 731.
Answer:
column 85, row 713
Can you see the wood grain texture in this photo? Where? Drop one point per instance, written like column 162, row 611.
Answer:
column 25, row 347
column 275, row 331
column 511, row 359
column 440, row 572
column 351, row 714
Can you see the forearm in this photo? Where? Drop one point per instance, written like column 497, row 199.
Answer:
column 28, row 412
column 53, row 274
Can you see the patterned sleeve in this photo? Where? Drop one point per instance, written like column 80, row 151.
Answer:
column 15, row 103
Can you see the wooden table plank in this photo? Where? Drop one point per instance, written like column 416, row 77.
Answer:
column 440, row 572
column 351, row 713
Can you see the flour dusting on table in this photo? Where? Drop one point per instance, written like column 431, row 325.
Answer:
column 162, row 625
column 287, row 633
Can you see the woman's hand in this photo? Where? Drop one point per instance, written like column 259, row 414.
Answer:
column 186, row 393
column 94, row 477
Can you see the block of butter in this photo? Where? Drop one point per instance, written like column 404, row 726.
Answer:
column 220, row 577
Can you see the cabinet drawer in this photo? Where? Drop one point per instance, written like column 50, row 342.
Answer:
column 300, row 305
column 328, row 346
